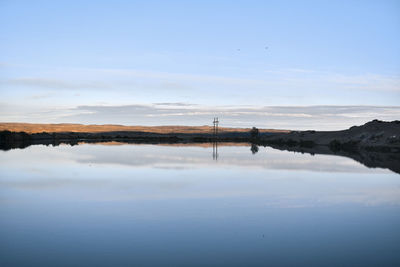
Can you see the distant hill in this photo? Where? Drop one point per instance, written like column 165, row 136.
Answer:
column 82, row 128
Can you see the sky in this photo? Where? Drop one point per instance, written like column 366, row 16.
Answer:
column 271, row 64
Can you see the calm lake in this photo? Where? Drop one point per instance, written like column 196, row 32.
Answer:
column 180, row 205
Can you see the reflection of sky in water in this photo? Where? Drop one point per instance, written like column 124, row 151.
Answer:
column 138, row 204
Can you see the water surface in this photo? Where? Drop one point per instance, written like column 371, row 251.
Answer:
column 180, row 205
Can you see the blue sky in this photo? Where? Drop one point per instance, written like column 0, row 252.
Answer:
column 59, row 57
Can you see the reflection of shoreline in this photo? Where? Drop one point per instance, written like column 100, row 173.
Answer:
column 370, row 159
column 205, row 145
column 21, row 144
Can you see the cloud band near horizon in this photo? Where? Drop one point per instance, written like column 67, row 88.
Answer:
column 278, row 117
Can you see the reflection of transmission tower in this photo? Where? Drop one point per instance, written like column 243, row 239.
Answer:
column 215, row 139
column 215, row 150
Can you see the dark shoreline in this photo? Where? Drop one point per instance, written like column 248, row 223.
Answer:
column 373, row 136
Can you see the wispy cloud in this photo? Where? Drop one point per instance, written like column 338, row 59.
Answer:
column 288, row 117
column 284, row 77
column 289, row 78
column 282, row 117
column 48, row 83
column 181, row 104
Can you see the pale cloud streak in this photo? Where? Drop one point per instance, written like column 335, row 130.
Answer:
column 281, row 117
column 47, row 83
column 97, row 78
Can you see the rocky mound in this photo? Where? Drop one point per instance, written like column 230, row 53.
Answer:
column 374, row 135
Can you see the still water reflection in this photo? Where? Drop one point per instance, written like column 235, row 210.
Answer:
column 157, row 205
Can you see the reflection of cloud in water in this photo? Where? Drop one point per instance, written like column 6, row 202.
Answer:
column 237, row 156
column 270, row 178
